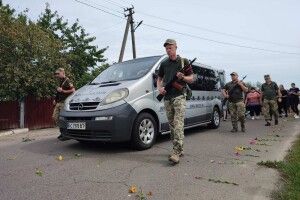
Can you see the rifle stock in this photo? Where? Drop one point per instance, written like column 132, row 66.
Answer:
column 168, row 86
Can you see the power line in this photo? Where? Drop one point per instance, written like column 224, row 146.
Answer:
column 107, row 12
column 115, row 3
column 217, row 32
column 105, row 7
column 110, row 27
column 194, row 36
column 220, row 42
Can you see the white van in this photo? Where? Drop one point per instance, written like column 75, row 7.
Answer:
column 121, row 105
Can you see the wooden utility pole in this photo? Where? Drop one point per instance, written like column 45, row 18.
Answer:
column 132, row 34
column 124, row 40
column 132, row 30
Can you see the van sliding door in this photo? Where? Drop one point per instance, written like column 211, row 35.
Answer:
column 196, row 106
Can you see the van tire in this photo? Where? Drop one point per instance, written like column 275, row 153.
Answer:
column 215, row 119
column 144, row 128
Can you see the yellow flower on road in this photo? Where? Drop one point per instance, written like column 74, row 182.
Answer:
column 60, row 158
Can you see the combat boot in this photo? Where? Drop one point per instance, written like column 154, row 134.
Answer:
column 174, row 158
column 62, row 138
column 243, row 128
column 234, row 127
column 234, row 130
column 181, row 154
column 268, row 123
column 276, row 121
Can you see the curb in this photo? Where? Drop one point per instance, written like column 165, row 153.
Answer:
column 14, row 131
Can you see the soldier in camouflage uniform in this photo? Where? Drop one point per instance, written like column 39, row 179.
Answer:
column 233, row 91
column 270, row 92
column 64, row 90
column 174, row 100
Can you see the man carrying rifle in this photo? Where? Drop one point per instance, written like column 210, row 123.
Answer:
column 270, row 93
column 174, row 99
column 233, row 91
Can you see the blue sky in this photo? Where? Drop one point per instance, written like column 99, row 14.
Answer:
column 275, row 21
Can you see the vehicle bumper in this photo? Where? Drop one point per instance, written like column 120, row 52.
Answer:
column 116, row 129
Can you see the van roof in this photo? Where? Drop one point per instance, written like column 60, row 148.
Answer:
column 165, row 56
column 143, row 58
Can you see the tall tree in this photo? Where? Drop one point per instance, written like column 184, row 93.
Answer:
column 28, row 57
column 78, row 46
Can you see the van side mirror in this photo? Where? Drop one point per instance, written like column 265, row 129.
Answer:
column 154, row 77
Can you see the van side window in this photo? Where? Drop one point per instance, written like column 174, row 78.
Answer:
column 204, row 79
column 198, row 78
column 212, row 80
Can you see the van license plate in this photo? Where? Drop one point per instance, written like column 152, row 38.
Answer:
column 76, row 125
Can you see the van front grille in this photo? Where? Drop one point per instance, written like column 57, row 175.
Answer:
column 86, row 134
column 84, row 106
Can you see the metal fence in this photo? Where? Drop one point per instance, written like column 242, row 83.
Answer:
column 37, row 113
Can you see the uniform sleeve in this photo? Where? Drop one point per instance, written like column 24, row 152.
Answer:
column 188, row 71
column 161, row 71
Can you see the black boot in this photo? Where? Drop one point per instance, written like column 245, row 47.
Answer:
column 62, row 138
column 234, row 130
column 276, row 121
column 268, row 123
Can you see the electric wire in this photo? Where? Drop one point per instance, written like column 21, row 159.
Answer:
column 105, row 7
column 217, row 41
column 217, row 32
column 193, row 36
column 107, row 12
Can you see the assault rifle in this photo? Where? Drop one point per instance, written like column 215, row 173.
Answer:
column 172, row 83
column 229, row 92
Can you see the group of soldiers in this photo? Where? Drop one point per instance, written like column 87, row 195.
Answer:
column 269, row 98
column 175, row 100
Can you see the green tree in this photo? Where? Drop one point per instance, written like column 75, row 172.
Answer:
column 81, row 54
column 89, row 76
column 28, row 57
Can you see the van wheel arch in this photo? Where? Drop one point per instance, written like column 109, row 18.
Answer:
column 144, row 115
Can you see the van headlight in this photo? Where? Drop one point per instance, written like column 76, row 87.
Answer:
column 115, row 96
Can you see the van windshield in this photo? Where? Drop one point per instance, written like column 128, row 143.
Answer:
column 128, row 70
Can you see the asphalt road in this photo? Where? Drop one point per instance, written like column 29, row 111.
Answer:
column 210, row 168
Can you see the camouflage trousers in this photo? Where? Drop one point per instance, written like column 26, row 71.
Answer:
column 270, row 107
column 237, row 112
column 58, row 107
column 175, row 110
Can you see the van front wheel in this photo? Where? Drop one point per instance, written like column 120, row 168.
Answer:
column 144, row 132
column 215, row 120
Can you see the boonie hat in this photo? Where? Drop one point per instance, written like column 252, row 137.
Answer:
column 234, row 73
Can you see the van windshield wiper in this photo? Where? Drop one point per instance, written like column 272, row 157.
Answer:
column 95, row 83
column 108, row 82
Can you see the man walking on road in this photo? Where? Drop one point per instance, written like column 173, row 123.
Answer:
column 294, row 99
column 64, row 89
column 270, row 93
column 233, row 91
column 174, row 100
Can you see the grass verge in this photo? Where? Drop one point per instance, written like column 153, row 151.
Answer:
column 290, row 174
